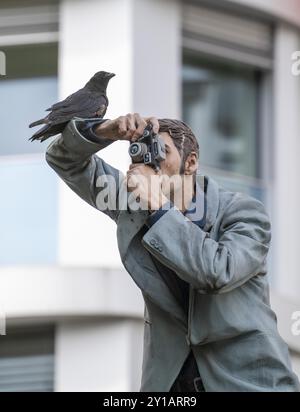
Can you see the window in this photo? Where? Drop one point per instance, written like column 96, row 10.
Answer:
column 27, row 360
column 29, row 208
column 227, row 61
column 220, row 104
column 29, row 87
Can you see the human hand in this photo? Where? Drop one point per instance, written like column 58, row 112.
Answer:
column 129, row 127
column 146, row 185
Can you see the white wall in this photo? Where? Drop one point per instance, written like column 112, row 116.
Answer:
column 125, row 37
column 286, row 225
column 295, row 358
column 288, row 10
column 157, row 57
column 61, row 293
column 94, row 35
column 98, row 356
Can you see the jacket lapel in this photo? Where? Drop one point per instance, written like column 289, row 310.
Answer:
column 138, row 262
column 212, row 203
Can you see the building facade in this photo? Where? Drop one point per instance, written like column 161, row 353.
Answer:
column 225, row 67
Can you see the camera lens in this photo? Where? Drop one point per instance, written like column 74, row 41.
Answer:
column 137, row 151
column 134, row 148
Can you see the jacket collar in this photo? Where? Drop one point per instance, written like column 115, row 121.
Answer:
column 204, row 206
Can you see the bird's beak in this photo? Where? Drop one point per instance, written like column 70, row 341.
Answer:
column 110, row 75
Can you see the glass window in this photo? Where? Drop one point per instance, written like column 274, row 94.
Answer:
column 29, row 207
column 27, row 360
column 220, row 105
column 29, row 87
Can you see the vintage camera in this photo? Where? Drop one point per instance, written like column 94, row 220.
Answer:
column 148, row 149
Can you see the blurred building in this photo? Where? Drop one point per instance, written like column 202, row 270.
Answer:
column 74, row 315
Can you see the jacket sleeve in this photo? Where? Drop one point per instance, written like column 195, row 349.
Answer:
column 74, row 159
column 214, row 266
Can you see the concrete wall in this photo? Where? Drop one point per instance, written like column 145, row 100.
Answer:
column 98, row 356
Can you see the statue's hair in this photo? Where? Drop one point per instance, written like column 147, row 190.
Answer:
column 183, row 137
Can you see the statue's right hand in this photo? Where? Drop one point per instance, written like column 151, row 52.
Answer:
column 129, row 127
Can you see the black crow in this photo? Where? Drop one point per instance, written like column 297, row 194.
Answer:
column 89, row 102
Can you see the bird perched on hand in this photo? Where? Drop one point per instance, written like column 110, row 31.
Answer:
column 89, row 102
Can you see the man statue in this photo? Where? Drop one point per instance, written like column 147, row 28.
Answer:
column 197, row 252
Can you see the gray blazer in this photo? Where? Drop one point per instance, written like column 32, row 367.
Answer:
column 230, row 326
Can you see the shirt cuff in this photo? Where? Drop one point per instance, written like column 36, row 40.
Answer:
column 157, row 214
column 87, row 129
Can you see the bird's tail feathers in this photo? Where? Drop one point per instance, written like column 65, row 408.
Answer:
column 40, row 134
column 37, row 122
